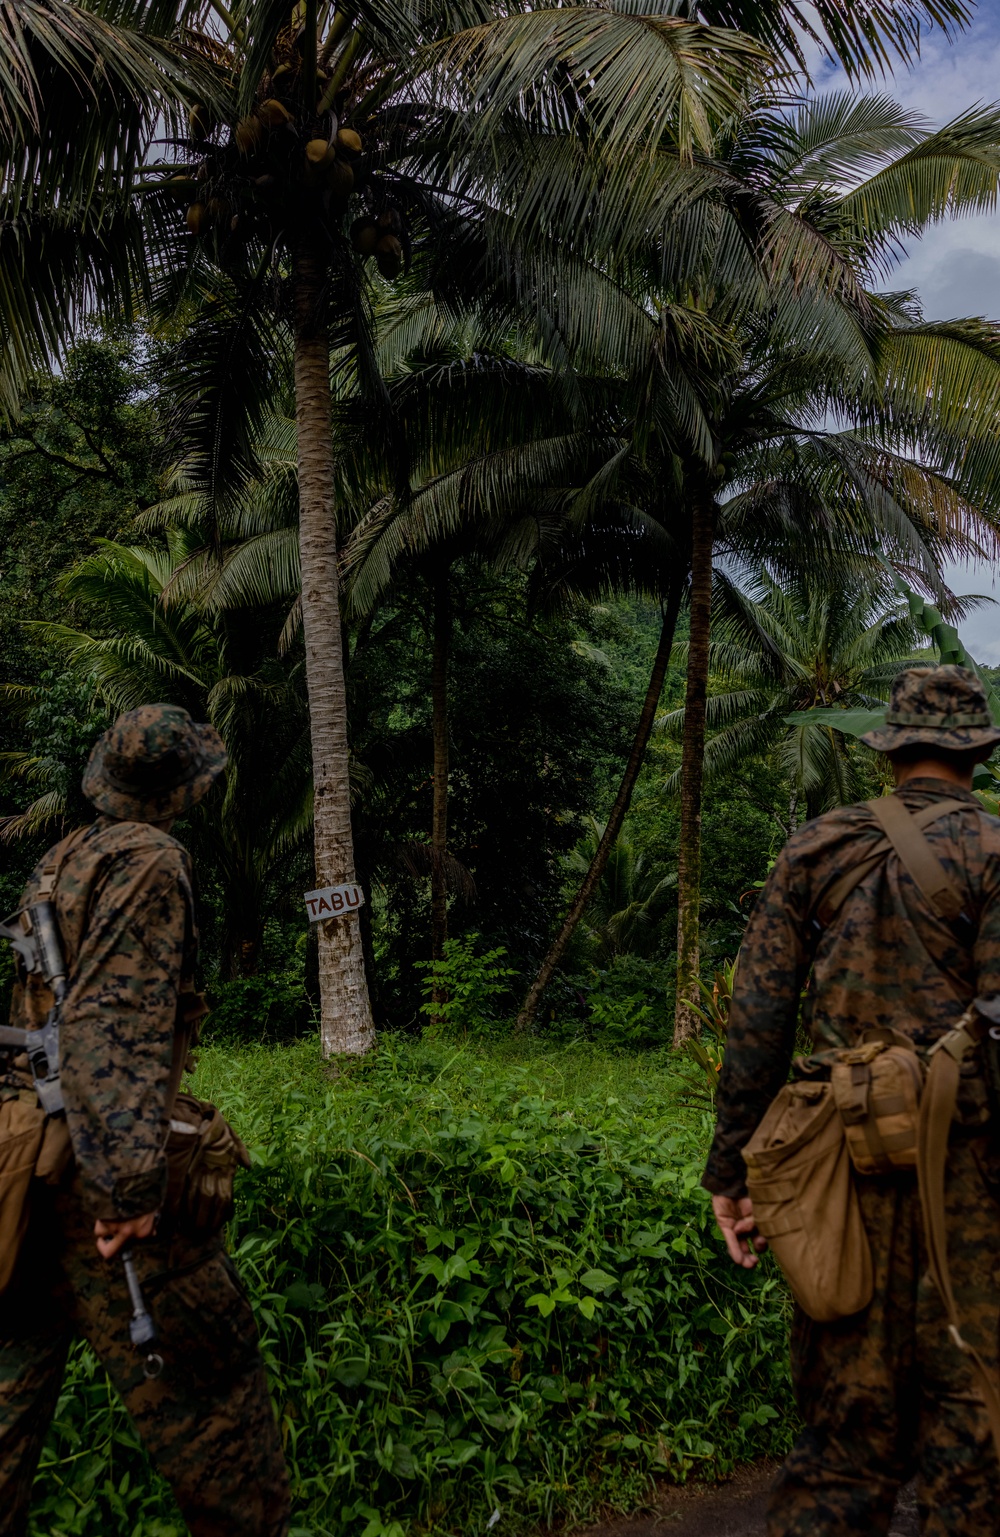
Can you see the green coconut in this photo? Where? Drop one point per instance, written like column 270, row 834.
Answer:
column 274, row 113
column 364, row 236
column 389, row 256
column 339, row 179
column 349, row 143
column 249, row 133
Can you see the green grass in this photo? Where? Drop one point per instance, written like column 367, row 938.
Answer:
column 486, row 1279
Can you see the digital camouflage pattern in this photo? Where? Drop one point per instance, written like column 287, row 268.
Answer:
column 885, row 1395
column 936, row 707
column 125, row 908
column 885, row 1392
column 887, row 959
column 206, row 1421
column 154, row 763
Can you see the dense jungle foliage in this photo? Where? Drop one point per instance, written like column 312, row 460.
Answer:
column 541, row 709
column 502, row 422
column 486, row 1280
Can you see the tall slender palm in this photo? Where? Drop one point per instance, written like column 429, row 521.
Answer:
column 787, row 372
column 404, row 113
column 838, row 405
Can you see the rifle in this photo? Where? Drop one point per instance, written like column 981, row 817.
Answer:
column 34, row 934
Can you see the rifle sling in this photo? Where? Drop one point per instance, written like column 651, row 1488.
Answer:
column 937, row 1110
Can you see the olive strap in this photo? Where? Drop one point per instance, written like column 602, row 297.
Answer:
column 836, row 894
column 916, row 854
column 937, row 1110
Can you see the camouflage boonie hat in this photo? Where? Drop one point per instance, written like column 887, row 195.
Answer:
column 155, row 762
column 941, row 707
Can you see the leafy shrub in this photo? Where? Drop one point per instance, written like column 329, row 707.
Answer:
column 268, row 1008
column 477, row 1290
column 706, row 1053
column 631, row 1022
column 630, row 1003
column 462, row 990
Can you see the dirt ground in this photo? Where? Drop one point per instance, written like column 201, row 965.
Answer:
column 733, row 1509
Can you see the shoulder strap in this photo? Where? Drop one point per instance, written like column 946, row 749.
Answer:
column 909, row 825
column 916, row 854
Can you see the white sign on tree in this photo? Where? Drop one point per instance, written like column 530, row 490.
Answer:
column 333, row 901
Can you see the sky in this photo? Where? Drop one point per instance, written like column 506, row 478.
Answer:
column 955, row 268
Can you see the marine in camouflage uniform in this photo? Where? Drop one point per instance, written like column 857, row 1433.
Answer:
column 884, row 1394
column 123, row 896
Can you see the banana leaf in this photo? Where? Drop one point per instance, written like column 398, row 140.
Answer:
column 850, row 722
column 950, row 652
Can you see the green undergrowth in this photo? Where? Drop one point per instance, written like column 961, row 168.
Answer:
column 486, row 1281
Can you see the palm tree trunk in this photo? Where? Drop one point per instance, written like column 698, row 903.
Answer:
column 693, row 770
column 346, row 1025
column 441, row 638
column 616, row 817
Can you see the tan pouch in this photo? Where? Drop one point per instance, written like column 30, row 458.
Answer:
column 22, row 1126
column 805, row 1202
column 56, row 1153
column 203, row 1154
column 877, row 1088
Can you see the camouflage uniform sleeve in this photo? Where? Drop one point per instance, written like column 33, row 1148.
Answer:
column 773, row 966
column 117, row 1029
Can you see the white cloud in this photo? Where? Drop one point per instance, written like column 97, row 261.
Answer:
column 980, row 632
column 955, row 268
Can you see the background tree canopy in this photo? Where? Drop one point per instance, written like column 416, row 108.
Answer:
column 504, row 422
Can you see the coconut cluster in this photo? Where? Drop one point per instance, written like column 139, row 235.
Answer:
column 267, row 168
column 278, row 166
column 381, row 235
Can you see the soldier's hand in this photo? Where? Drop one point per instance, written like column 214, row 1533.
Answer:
column 112, row 1236
column 736, row 1224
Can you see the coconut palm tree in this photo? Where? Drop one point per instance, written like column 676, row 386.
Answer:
column 293, row 111
column 783, row 644
column 792, row 385
column 792, row 352
column 401, row 114
column 887, row 414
